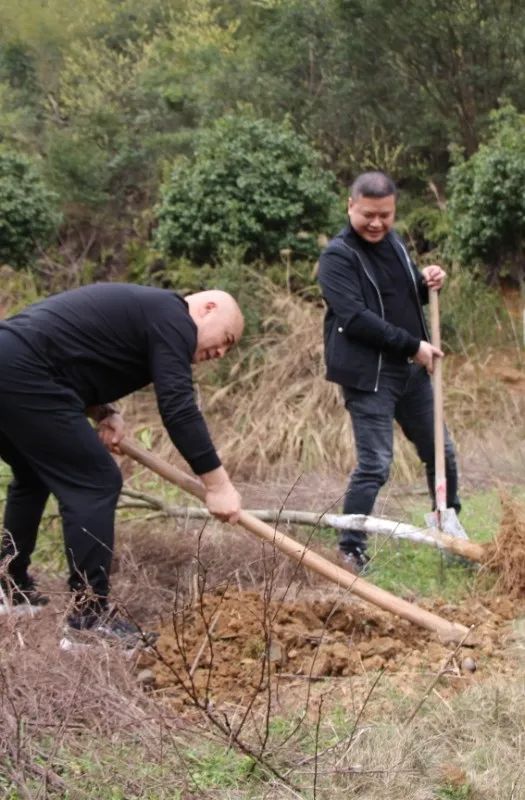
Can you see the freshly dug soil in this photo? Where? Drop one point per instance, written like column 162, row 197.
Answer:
column 227, row 647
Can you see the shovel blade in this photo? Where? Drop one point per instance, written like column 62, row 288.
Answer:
column 446, row 521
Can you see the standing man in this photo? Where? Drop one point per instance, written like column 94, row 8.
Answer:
column 377, row 348
column 70, row 356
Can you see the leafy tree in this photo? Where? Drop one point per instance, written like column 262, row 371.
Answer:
column 27, row 215
column 442, row 65
column 128, row 99
column 250, row 182
column 487, row 201
column 108, row 92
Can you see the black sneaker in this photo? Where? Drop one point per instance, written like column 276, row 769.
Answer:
column 86, row 628
column 22, row 598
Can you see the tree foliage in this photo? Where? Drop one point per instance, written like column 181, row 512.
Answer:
column 27, row 214
column 250, row 183
column 487, row 201
column 109, row 93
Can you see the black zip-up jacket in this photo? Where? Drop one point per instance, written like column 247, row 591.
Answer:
column 355, row 330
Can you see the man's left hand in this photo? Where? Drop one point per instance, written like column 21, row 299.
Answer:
column 434, row 276
column 112, row 430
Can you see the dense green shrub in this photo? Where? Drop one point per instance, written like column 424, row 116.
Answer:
column 27, row 213
column 487, row 199
column 250, row 183
column 425, row 227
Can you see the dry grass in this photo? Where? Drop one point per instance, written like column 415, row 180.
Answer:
column 61, row 712
column 506, row 554
column 80, row 726
column 276, row 416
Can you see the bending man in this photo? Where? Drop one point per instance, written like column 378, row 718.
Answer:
column 71, row 355
column 377, row 348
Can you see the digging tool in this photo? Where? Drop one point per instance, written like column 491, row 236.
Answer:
column 445, row 519
column 447, row 631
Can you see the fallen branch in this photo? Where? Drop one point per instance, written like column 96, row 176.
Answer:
column 371, row 525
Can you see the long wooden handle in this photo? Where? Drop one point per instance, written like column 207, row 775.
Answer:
column 439, row 422
column 447, row 631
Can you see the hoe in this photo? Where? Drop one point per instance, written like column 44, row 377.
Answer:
column 448, row 632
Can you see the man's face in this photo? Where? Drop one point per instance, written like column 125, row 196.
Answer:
column 218, row 331
column 372, row 217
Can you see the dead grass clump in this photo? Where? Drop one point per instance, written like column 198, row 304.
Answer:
column 61, row 710
column 285, row 412
column 272, row 412
column 506, row 554
column 172, row 558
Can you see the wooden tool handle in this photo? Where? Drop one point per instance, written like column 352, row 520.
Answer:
column 448, row 632
column 439, row 423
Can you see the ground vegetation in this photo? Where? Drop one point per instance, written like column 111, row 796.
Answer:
column 132, row 120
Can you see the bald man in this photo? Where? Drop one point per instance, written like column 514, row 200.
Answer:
column 69, row 357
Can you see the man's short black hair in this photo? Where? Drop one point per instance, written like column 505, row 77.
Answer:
column 373, row 184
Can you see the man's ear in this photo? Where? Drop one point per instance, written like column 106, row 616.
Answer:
column 208, row 306
column 350, row 204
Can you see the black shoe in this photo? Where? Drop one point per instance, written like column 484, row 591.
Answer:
column 85, row 627
column 21, row 598
column 357, row 561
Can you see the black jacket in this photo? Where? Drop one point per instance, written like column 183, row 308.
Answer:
column 355, row 331
column 107, row 340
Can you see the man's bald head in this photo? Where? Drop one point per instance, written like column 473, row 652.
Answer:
column 219, row 322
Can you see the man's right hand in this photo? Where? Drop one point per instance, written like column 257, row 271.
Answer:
column 222, row 498
column 426, row 355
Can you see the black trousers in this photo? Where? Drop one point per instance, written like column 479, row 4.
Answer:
column 404, row 395
column 52, row 448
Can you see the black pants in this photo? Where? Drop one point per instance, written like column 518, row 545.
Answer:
column 405, row 395
column 52, row 448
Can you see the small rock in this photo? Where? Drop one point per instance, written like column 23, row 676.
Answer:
column 468, row 664
column 146, row 677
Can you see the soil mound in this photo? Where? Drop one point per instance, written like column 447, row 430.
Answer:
column 228, row 647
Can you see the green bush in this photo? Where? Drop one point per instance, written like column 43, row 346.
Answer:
column 425, row 227
column 27, row 210
column 487, row 201
column 251, row 184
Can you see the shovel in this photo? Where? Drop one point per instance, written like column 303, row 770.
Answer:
column 443, row 518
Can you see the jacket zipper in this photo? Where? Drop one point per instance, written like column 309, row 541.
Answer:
column 381, row 306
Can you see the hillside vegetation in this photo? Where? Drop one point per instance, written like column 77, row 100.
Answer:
column 190, row 144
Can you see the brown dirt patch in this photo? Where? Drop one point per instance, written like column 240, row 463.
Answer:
column 233, row 642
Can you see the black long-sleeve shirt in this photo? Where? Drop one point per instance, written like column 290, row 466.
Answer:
column 397, row 294
column 107, row 340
